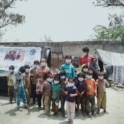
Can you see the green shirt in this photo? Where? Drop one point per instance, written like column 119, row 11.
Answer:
column 55, row 90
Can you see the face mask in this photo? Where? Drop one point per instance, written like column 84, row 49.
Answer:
column 11, row 71
column 35, row 66
column 68, row 61
column 56, row 82
column 76, row 69
column 50, row 80
column 100, row 77
column 43, row 64
column 84, row 53
column 85, row 69
column 70, row 84
column 62, row 77
column 80, row 79
column 88, row 76
column 27, row 70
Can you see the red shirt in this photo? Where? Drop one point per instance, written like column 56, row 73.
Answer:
column 85, row 59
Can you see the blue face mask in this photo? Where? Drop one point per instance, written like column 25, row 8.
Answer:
column 11, row 71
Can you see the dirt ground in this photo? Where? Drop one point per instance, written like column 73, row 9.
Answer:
column 115, row 107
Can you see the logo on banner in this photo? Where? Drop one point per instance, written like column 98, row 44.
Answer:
column 32, row 52
column 1, row 50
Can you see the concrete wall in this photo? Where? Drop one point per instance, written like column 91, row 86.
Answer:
column 60, row 49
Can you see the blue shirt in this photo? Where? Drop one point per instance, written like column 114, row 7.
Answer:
column 81, row 87
column 70, row 70
column 70, row 90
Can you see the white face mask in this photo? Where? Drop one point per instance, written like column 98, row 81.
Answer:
column 80, row 79
column 50, row 80
column 88, row 76
column 70, row 84
column 68, row 61
column 85, row 69
column 100, row 77
column 35, row 66
column 84, row 53
column 11, row 71
column 62, row 77
column 76, row 69
column 27, row 70
column 43, row 64
column 56, row 82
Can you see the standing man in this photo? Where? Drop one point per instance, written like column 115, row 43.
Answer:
column 86, row 58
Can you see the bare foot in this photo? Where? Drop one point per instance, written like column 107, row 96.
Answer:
column 20, row 109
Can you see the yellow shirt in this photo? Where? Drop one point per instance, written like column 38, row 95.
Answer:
column 11, row 79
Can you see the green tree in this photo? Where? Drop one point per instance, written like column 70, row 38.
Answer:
column 9, row 18
column 115, row 29
column 110, row 3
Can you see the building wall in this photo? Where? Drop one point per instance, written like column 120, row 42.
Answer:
column 60, row 49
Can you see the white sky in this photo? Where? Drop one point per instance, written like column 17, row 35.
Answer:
column 62, row 20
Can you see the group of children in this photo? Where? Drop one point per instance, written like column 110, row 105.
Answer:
column 65, row 86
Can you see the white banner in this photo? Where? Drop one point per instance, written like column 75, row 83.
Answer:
column 18, row 56
column 118, row 74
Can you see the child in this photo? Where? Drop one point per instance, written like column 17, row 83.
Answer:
column 11, row 82
column 55, row 88
column 90, row 93
column 68, row 67
column 101, row 84
column 84, row 69
column 81, row 87
column 63, row 97
column 76, row 69
column 39, row 91
column 34, row 80
column 71, row 92
column 19, row 87
column 95, row 68
column 27, row 83
column 48, row 79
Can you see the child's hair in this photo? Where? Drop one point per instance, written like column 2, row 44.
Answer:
column 101, row 73
column 81, row 74
column 27, row 66
column 36, row 61
column 85, row 66
column 70, row 78
column 57, row 76
column 68, row 57
column 46, row 75
column 11, row 67
column 75, row 65
column 93, row 59
column 86, row 49
column 90, row 72
column 22, row 69
column 62, row 73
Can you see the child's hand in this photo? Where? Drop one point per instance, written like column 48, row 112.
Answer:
column 71, row 95
column 11, row 81
column 80, row 94
column 66, row 93
column 16, row 90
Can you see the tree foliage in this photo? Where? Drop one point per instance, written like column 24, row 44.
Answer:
column 115, row 29
column 110, row 3
column 102, row 33
column 9, row 18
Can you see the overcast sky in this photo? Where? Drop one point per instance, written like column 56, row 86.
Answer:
column 62, row 20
